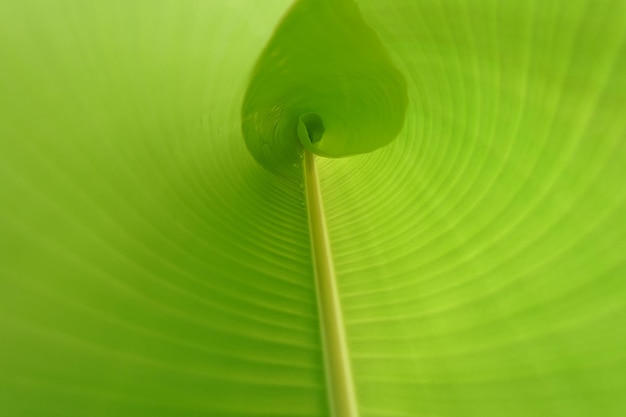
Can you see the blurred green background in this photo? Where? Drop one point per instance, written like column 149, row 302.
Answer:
column 150, row 267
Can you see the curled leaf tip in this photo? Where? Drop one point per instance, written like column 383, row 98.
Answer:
column 325, row 83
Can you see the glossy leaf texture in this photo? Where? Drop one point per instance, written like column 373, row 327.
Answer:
column 149, row 266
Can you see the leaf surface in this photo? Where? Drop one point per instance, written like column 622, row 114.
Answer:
column 149, row 266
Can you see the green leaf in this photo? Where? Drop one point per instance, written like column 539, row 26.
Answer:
column 150, row 266
column 324, row 78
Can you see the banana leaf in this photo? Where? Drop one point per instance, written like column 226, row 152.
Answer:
column 474, row 205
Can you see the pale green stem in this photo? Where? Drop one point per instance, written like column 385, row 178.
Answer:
column 341, row 392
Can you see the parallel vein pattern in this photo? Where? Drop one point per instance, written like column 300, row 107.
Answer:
column 148, row 266
column 482, row 256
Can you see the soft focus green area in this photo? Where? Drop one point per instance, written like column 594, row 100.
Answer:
column 149, row 266
column 324, row 82
column 482, row 255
